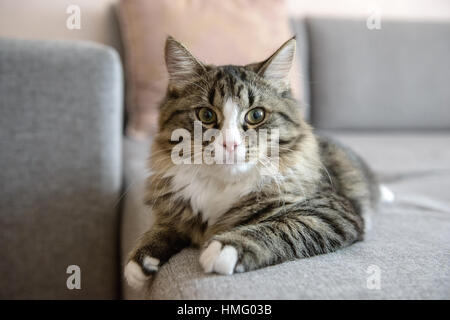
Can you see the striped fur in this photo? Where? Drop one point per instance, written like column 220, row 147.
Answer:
column 313, row 204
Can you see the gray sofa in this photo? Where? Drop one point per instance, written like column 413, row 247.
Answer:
column 71, row 184
column 61, row 136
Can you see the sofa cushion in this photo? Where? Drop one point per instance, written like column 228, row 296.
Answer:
column 395, row 77
column 409, row 242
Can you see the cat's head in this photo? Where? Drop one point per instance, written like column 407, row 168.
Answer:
column 226, row 106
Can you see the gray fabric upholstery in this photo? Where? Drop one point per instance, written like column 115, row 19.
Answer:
column 299, row 28
column 396, row 77
column 136, row 218
column 409, row 241
column 60, row 144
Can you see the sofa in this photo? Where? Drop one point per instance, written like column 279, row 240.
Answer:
column 72, row 183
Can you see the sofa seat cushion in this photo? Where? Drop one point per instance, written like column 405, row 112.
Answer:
column 408, row 246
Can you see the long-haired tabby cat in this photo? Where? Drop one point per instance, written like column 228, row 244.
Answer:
column 312, row 202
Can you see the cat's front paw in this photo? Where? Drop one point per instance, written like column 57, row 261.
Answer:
column 218, row 258
column 137, row 274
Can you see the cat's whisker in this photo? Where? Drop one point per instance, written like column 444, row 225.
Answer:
column 154, row 153
column 125, row 192
column 274, row 177
column 328, row 174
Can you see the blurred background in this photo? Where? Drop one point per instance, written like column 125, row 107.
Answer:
column 136, row 31
column 80, row 83
column 42, row 19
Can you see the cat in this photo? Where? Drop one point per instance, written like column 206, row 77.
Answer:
column 313, row 201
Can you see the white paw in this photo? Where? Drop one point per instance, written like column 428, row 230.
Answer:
column 217, row 259
column 134, row 275
column 150, row 264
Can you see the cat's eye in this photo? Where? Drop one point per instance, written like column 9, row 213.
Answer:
column 255, row 116
column 206, row 115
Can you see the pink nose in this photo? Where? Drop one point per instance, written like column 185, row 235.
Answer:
column 230, row 145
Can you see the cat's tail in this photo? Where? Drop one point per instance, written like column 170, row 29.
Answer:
column 386, row 194
column 415, row 201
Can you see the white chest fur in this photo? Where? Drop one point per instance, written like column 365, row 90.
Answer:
column 209, row 194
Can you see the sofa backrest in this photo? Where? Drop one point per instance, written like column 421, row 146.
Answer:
column 395, row 77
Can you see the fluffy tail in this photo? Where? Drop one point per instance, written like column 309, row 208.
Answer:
column 386, row 194
column 417, row 201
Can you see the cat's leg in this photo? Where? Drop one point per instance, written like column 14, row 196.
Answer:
column 308, row 229
column 155, row 247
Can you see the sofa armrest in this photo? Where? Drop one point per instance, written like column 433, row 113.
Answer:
column 60, row 140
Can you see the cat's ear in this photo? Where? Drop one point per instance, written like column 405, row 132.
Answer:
column 180, row 63
column 277, row 67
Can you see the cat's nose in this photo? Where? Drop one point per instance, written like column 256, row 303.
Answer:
column 230, row 145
